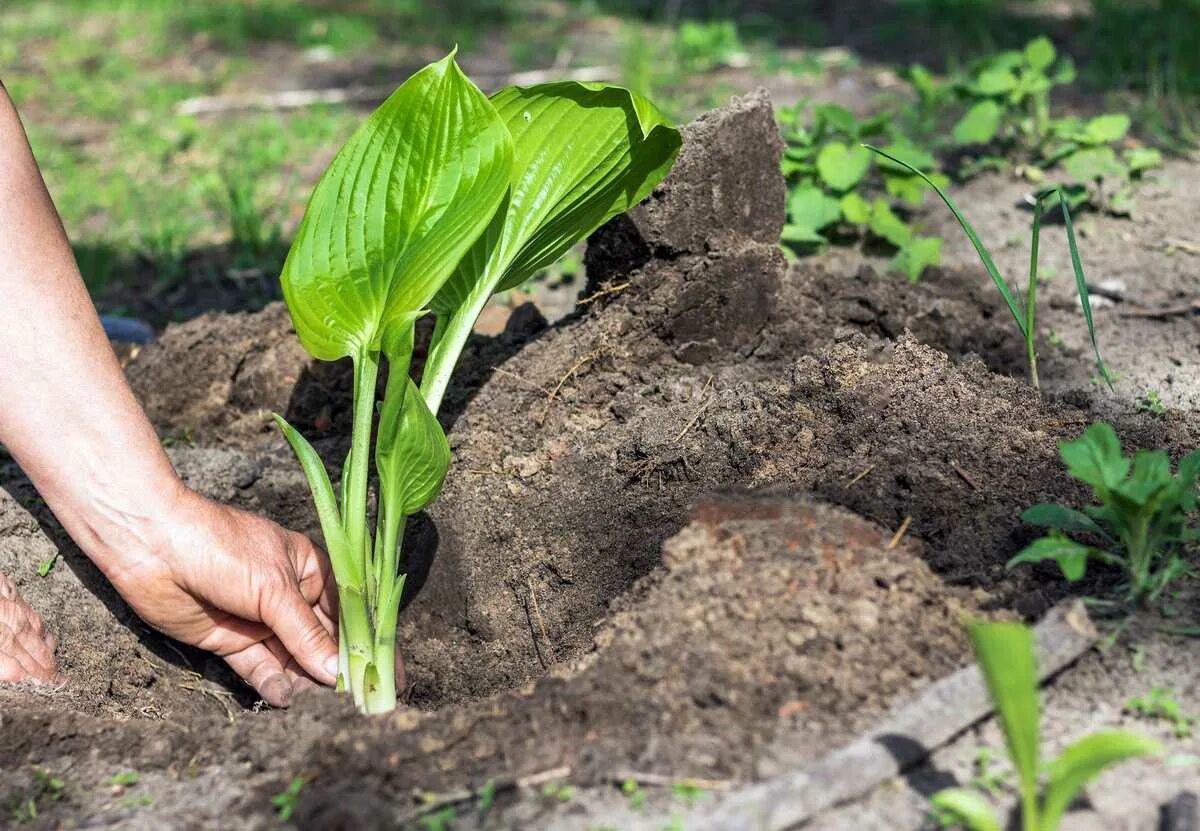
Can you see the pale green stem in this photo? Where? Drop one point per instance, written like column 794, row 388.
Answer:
column 354, row 511
column 450, row 335
column 359, row 640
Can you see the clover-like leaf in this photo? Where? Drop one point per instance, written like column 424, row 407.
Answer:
column 1071, row 556
column 979, row 125
column 842, row 167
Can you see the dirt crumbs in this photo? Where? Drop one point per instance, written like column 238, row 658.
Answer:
column 870, row 466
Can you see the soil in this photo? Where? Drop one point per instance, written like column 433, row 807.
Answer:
column 727, row 506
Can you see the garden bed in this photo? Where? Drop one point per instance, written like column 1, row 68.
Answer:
column 712, row 526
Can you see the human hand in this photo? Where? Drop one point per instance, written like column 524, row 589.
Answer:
column 26, row 648
column 240, row 586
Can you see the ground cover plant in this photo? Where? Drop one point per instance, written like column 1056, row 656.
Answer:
column 1046, row 787
column 1023, row 310
column 836, row 188
column 1143, row 522
column 1008, row 124
column 440, row 199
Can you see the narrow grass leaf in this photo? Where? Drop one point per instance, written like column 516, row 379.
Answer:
column 1085, row 299
column 967, row 808
column 1082, row 762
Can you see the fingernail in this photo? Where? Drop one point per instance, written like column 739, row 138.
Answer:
column 277, row 691
column 331, row 667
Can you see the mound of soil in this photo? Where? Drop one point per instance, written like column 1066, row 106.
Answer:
column 547, row 625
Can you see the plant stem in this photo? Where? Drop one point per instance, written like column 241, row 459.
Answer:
column 1031, row 297
column 450, row 334
column 357, row 635
column 354, row 509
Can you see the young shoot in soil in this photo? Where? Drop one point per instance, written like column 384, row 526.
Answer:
column 440, row 199
column 1142, row 524
column 1006, row 658
column 1024, row 310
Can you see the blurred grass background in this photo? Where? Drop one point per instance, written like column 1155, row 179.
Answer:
column 171, row 213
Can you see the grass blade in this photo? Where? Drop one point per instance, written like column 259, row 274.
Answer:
column 984, row 256
column 1081, row 286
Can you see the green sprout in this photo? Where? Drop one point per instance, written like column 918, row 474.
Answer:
column 1006, row 658
column 285, row 801
column 439, row 200
column 1141, row 524
column 1162, row 704
column 1024, row 313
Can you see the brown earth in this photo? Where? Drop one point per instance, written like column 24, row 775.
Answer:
column 548, row 623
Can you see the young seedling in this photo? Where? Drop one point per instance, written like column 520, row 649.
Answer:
column 1162, row 704
column 1024, row 313
column 1141, row 525
column 285, row 801
column 1006, row 658
column 440, row 199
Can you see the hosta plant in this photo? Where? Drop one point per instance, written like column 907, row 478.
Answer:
column 1142, row 525
column 1046, row 787
column 441, row 198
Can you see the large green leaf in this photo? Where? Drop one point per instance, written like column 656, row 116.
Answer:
column 1005, row 654
column 1082, row 762
column 842, row 167
column 1095, row 458
column 398, row 207
column 584, row 153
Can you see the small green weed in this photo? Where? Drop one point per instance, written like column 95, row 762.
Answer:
column 124, row 779
column 832, row 192
column 441, row 820
column 1008, row 123
column 1161, row 703
column 285, row 801
column 47, row 565
column 1006, row 658
column 633, row 791
column 1142, row 525
column 1149, row 402
column 558, row 792
column 45, row 790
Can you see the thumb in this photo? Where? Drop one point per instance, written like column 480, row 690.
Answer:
column 296, row 625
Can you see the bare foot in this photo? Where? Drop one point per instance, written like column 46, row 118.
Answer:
column 26, row 648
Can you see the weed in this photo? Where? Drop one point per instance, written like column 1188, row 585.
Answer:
column 1024, row 313
column 1006, row 658
column 987, row 778
column 634, row 793
column 124, row 779
column 45, row 790
column 558, row 792
column 47, row 565
column 1161, row 703
column 1142, row 524
column 1149, row 402
column 441, row 820
column 285, row 801
column 831, row 187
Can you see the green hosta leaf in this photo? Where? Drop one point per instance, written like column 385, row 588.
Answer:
column 1105, row 129
column 917, row 255
column 810, row 207
column 1082, row 762
column 1040, row 54
column 584, row 153
column 398, row 207
column 412, row 454
column 1141, row 159
column 842, row 167
column 965, row 807
column 1062, row 518
column 1092, row 163
column 979, row 125
column 1095, row 457
column 855, row 209
column 884, row 223
column 1005, row 655
column 1071, row 556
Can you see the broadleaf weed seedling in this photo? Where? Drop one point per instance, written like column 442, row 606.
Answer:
column 1161, row 703
column 1023, row 309
column 1006, row 658
column 1143, row 522
column 442, row 198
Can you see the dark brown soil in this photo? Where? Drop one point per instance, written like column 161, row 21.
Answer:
column 548, row 624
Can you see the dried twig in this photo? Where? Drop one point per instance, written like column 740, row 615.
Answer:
column 537, row 616
column 604, row 292
column 699, row 412
column 966, row 477
column 866, row 472
column 900, row 532
column 659, row 780
column 552, row 395
column 431, row 802
column 520, row 380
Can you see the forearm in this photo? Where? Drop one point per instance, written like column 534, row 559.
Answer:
column 67, row 414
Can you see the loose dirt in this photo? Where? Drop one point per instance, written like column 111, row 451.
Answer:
column 666, row 543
